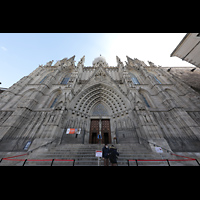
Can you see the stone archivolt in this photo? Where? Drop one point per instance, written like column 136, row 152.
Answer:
column 100, row 93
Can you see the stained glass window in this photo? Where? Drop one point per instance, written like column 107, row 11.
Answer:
column 155, row 78
column 145, row 101
column 54, row 102
column 43, row 79
column 134, row 79
column 65, row 81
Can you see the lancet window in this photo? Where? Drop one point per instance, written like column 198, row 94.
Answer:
column 155, row 78
column 43, row 79
column 134, row 79
column 145, row 101
column 65, row 80
column 54, row 102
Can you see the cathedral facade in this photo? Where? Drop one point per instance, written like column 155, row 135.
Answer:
column 127, row 103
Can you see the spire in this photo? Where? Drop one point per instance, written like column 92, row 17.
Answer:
column 82, row 61
column 72, row 59
column 135, row 62
column 119, row 62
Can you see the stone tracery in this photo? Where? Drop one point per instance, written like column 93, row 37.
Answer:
column 100, row 93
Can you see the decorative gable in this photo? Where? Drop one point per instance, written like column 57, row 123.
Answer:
column 100, row 75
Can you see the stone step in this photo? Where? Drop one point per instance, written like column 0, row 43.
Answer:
column 95, row 158
column 95, row 163
column 84, row 155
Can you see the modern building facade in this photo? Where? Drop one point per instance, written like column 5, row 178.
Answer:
column 189, row 49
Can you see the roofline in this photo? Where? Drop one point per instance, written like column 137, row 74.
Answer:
column 180, row 43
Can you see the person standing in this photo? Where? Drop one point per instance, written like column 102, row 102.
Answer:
column 113, row 155
column 105, row 154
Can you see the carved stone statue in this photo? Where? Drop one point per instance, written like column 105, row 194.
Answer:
column 151, row 64
column 48, row 64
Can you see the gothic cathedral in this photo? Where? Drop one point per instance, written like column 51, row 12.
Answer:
column 127, row 103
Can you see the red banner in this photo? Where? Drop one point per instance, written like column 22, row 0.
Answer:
column 73, row 131
column 70, row 131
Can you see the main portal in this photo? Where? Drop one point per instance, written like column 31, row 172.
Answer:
column 105, row 131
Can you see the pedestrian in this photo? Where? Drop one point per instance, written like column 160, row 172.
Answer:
column 105, row 155
column 113, row 155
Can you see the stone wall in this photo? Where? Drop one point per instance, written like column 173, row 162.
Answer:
column 157, row 105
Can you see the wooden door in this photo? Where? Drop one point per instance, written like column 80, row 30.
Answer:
column 105, row 131
column 94, row 131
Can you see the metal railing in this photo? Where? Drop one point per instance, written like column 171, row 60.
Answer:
column 161, row 160
column 36, row 160
column 137, row 162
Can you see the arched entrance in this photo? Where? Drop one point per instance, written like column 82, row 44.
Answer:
column 100, row 102
column 100, row 126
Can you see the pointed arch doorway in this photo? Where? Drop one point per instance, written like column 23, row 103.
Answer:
column 100, row 124
column 95, row 126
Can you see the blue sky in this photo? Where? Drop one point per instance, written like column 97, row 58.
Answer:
column 21, row 53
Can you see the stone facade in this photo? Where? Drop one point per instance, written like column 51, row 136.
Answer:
column 140, row 102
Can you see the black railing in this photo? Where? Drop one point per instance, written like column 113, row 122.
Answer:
column 137, row 161
column 161, row 160
column 37, row 160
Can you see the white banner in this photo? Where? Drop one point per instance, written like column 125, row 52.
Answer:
column 98, row 153
column 159, row 149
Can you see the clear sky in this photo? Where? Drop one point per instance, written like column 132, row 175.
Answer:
column 21, row 53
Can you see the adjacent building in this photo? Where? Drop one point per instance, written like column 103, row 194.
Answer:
column 189, row 49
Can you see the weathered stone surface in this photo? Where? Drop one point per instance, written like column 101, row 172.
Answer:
column 141, row 103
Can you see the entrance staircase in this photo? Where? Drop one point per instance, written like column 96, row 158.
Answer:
column 84, row 155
